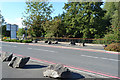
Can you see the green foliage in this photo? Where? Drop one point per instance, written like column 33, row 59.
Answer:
column 1, row 18
column 21, row 41
column 111, row 15
column 113, row 47
column 36, row 14
column 4, row 32
column 26, row 41
column 101, row 41
column 84, row 19
column 54, row 28
column 21, row 31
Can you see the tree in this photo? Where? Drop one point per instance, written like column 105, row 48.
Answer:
column 112, row 12
column 54, row 28
column 1, row 19
column 84, row 19
column 112, row 9
column 36, row 14
column 21, row 31
column 3, row 27
column 4, row 32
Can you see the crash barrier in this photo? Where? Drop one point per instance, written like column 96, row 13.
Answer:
column 6, row 56
column 76, row 40
column 57, row 71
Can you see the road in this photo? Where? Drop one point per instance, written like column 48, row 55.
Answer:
column 91, row 61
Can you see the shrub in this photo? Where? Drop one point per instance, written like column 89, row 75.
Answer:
column 21, row 41
column 27, row 41
column 4, row 37
column 113, row 47
column 98, row 42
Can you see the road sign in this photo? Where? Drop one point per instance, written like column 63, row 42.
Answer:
column 8, row 27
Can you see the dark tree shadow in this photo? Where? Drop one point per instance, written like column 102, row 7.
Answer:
column 33, row 66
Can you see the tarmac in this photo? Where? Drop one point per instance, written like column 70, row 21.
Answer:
column 34, row 70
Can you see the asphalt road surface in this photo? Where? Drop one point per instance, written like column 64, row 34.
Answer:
column 93, row 61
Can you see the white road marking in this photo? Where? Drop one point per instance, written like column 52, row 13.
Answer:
column 89, row 56
column 5, row 45
column 30, row 48
column 13, row 46
column 45, row 50
column 100, row 58
column 110, row 59
column 9, row 45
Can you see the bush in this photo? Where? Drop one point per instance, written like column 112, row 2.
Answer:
column 21, row 41
column 98, row 42
column 113, row 47
column 27, row 41
column 4, row 37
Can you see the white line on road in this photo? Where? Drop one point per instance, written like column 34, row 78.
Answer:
column 89, row 56
column 100, row 58
column 110, row 59
column 30, row 48
column 5, row 45
column 9, row 45
column 13, row 46
column 43, row 50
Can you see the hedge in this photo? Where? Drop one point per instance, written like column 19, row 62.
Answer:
column 21, row 41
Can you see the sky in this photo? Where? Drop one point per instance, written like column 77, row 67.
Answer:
column 13, row 11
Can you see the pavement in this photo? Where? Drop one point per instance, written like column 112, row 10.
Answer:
column 88, row 62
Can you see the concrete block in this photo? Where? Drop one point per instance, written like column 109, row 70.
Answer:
column 46, row 41
column 57, row 71
column 34, row 41
column 49, row 42
column 72, row 43
column 55, row 42
column 18, row 62
column 6, row 56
